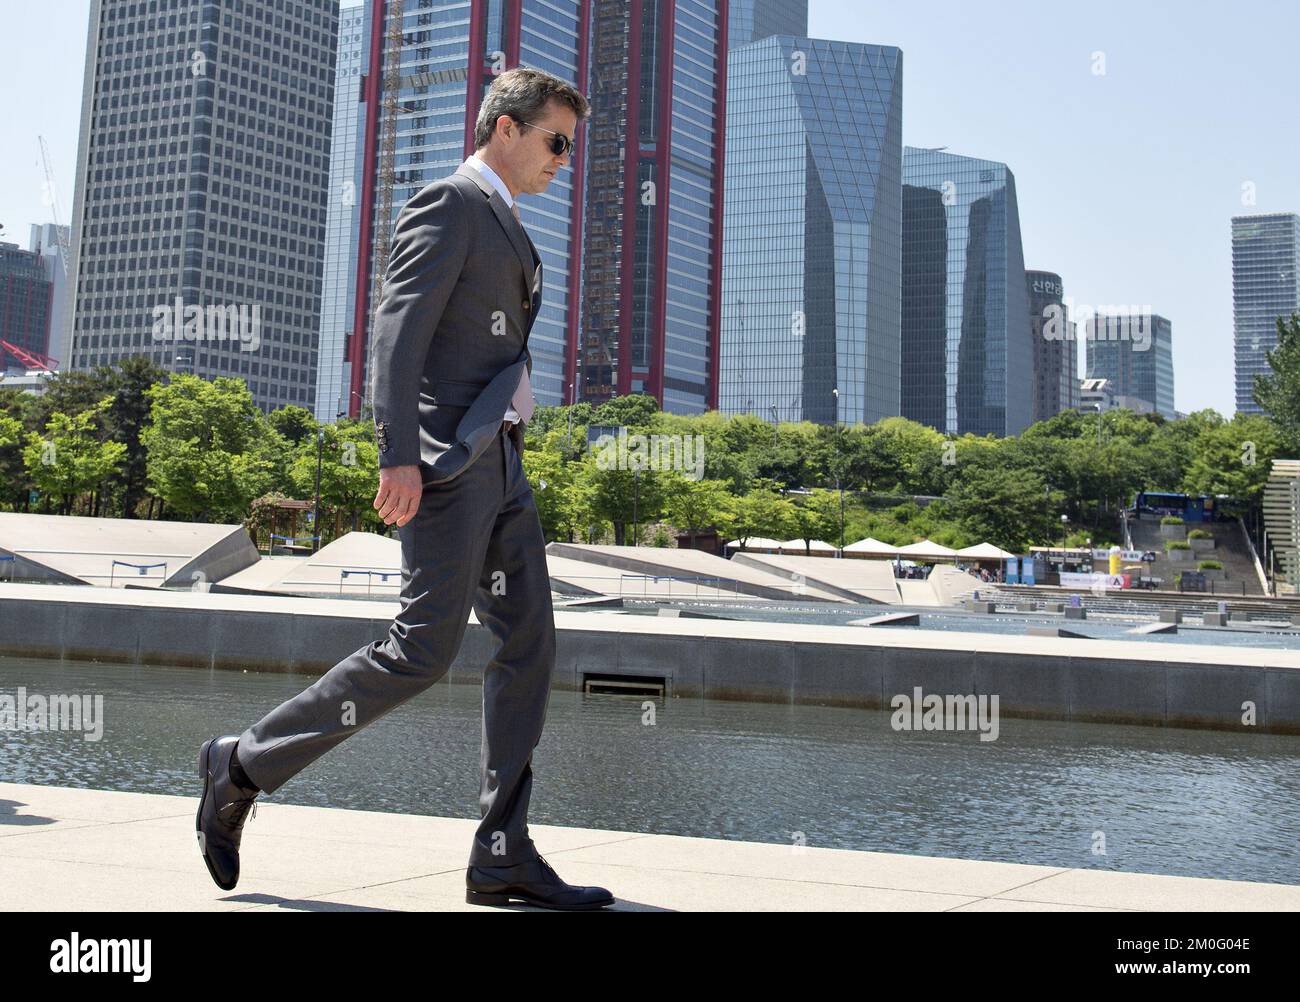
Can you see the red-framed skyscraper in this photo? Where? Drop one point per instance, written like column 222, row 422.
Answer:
column 630, row 235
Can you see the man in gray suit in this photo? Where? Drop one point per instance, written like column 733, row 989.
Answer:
column 451, row 395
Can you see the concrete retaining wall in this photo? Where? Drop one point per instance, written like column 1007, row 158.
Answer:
column 1106, row 681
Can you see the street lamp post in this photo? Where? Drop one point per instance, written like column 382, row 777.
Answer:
column 636, row 498
column 839, row 464
column 315, row 518
column 1065, row 521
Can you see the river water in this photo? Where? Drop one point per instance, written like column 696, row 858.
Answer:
column 1143, row 799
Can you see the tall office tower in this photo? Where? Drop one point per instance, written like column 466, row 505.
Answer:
column 813, row 220
column 1265, row 256
column 448, row 53
column 26, row 297
column 653, row 251
column 343, row 219
column 48, row 240
column 754, row 20
column 202, row 171
column 1056, row 355
column 1134, row 352
column 967, row 349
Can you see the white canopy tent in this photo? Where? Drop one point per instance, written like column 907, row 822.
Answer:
column 927, row 549
column 870, row 547
column 796, row 546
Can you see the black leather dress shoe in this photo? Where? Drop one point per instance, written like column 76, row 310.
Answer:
column 222, row 810
column 533, row 883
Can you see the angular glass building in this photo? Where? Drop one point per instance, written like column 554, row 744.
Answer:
column 813, row 231
column 967, row 352
column 755, row 20
column 1056, row 352
column 1265, row 256
column 1134, row 353
column 338, row 304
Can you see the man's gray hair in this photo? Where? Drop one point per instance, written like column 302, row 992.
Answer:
column 523, row 93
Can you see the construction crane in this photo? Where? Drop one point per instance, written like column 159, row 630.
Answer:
column 387, row 173
column 59, row 233
column 32, row 361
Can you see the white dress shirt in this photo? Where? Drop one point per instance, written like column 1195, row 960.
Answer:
column 494, row 179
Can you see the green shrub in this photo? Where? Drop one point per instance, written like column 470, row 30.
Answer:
column 1171, row 520
column 1209, row 565
column 1177, row 544
column 1200, row 534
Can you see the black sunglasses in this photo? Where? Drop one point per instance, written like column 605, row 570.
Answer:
column 560, row 144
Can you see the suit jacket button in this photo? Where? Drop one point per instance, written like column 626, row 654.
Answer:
column 527, row 305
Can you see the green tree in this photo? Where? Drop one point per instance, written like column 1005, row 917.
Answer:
column 69, row 460
column 349, row 462
column 1008, row 508
column 1235, row 458
column 764, row 512
column 210, row 451
column 694, row 505
column 1278, row 391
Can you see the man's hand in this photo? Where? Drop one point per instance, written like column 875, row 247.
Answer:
column 400, row 489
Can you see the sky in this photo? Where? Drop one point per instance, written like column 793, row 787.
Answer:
column 1127, row 180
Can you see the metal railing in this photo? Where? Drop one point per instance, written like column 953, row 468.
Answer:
column 142, row 568
column 370, row 576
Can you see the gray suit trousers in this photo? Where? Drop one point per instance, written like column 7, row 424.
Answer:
column 476, row 541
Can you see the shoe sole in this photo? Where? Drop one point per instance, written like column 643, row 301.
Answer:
column 198, row 819
column 489, row 898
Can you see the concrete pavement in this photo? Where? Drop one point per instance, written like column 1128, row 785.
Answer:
column 81, row 850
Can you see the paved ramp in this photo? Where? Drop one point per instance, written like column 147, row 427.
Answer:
column 73, row 549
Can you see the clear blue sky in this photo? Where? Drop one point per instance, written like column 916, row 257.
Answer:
column 1127, row 181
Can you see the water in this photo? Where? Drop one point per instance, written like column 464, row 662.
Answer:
column 1193, row 803
column 1098, row 627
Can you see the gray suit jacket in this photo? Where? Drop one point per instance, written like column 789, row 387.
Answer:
column 461, row 293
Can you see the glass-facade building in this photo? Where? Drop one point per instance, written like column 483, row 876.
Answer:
column 754, row 20
column 1056, row 354
column 1134, row 353
column 1265, row 256
column 811, row 306
column 26, row 301
column 967, row 355
column 449, row 52
column 338, row 301
column 652, row 258
column 202, row 177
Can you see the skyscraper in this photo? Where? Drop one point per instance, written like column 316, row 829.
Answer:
column 1056, row 354
column 199, row 215
column 813, row 231
column 652, row 262
column 343, row 222
column 1135, row 354
column 446, row 57
column 754, row 20
column 26, row 297
column 49, row 240
column 967, row 354
column 1265, row 256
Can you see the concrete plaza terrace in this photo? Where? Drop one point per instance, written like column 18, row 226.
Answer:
column 64, row 849
column 1054, row 678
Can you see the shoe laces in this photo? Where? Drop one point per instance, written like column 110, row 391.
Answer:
column 238, row 808
column 547, row 867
